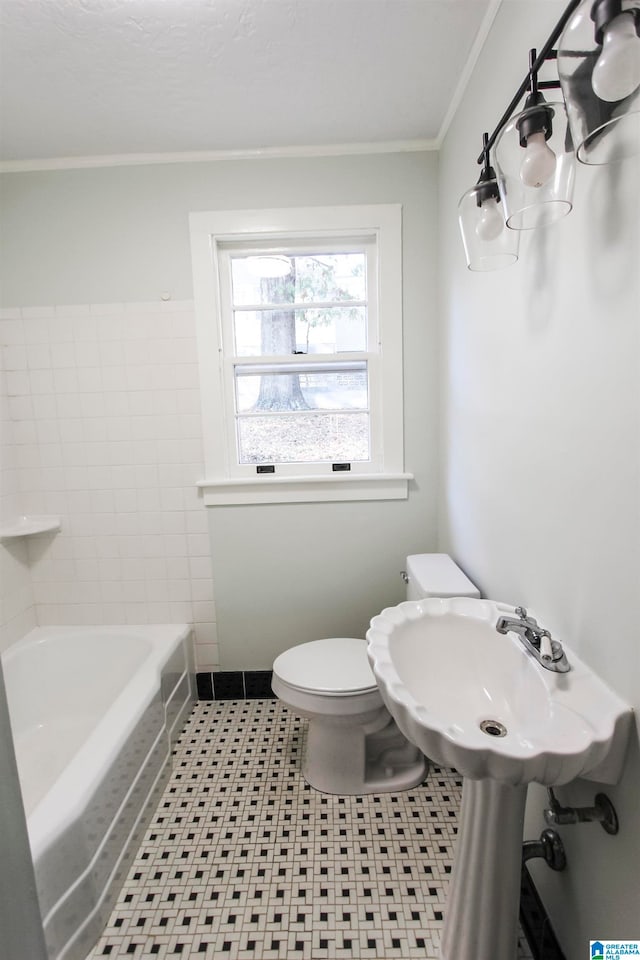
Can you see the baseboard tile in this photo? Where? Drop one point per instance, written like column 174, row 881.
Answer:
column 235, row 685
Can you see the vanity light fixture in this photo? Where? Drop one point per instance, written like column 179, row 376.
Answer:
column 487, row 243
column 597, row 120
column 599, row 71
column 535, row 128
column 535, row 161
column 616, row 74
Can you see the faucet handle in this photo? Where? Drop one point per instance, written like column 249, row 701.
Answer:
column 546, row 650
column 521, row 612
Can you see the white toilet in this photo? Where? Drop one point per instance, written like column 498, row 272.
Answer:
column 353, row 744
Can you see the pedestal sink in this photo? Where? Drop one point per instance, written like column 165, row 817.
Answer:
column 476, row 700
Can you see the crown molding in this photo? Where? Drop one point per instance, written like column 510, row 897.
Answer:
column 208, row 156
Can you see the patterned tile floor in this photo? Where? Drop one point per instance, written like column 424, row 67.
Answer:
column 244, row 861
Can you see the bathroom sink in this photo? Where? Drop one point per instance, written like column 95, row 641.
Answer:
column 475, row 699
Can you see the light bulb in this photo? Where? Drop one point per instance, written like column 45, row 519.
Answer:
column 617, row 71
column 539, row 163
column 490, row 224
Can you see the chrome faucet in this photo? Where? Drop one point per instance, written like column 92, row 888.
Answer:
column 536, row 639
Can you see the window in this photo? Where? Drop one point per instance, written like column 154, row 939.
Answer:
column 300, row 345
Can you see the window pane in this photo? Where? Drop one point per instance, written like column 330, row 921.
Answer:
column 328, row 437
column 273, row 392
column 282, row 278
column 327, row 330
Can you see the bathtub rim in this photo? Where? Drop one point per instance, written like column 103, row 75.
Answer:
column 78, row 779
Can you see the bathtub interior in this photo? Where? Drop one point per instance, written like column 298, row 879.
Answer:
column 46, row 737
column 81, row 864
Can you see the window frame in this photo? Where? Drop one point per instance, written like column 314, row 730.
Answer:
column 215, row 235
column 370, row 357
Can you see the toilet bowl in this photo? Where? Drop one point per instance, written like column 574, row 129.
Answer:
column 353, row 745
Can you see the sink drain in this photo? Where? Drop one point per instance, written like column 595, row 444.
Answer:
column 493, row 728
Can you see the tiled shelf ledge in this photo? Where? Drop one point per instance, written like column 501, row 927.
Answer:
column 28, row 526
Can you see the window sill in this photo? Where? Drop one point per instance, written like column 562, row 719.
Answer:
column 377, row 486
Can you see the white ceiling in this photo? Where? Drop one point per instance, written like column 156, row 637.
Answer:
column 109, row 77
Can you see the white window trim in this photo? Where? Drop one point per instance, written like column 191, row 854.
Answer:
column 211, row 229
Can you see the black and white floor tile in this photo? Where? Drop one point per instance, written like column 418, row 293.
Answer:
column 244, row 861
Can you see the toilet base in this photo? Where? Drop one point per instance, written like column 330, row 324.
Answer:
column 343, row 759
column 353, row 745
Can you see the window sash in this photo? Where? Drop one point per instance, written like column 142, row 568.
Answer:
column 264, row 364
column 312, row 363
column 319, row 467
column 226, row 251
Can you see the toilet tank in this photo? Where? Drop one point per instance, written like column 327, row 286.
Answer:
column 436, row 575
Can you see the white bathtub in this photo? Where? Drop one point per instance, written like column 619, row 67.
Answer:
column 93, row 712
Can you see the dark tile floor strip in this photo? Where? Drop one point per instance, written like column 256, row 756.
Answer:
column 244, row 861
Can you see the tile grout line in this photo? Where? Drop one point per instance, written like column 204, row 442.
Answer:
column 244, row 861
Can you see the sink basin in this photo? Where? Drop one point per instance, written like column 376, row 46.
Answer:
column 476, row 700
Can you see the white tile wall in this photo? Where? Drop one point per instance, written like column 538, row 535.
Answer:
column 17, row 604
column 101, row 425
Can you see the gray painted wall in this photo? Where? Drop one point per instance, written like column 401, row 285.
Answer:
column 95, row 235
column 540, row 496
column 282, row 574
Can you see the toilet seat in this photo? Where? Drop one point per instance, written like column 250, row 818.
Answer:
column 333, row 667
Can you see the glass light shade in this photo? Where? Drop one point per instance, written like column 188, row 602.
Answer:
column 536, row 180
column 488, row 245
column 604, row 129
